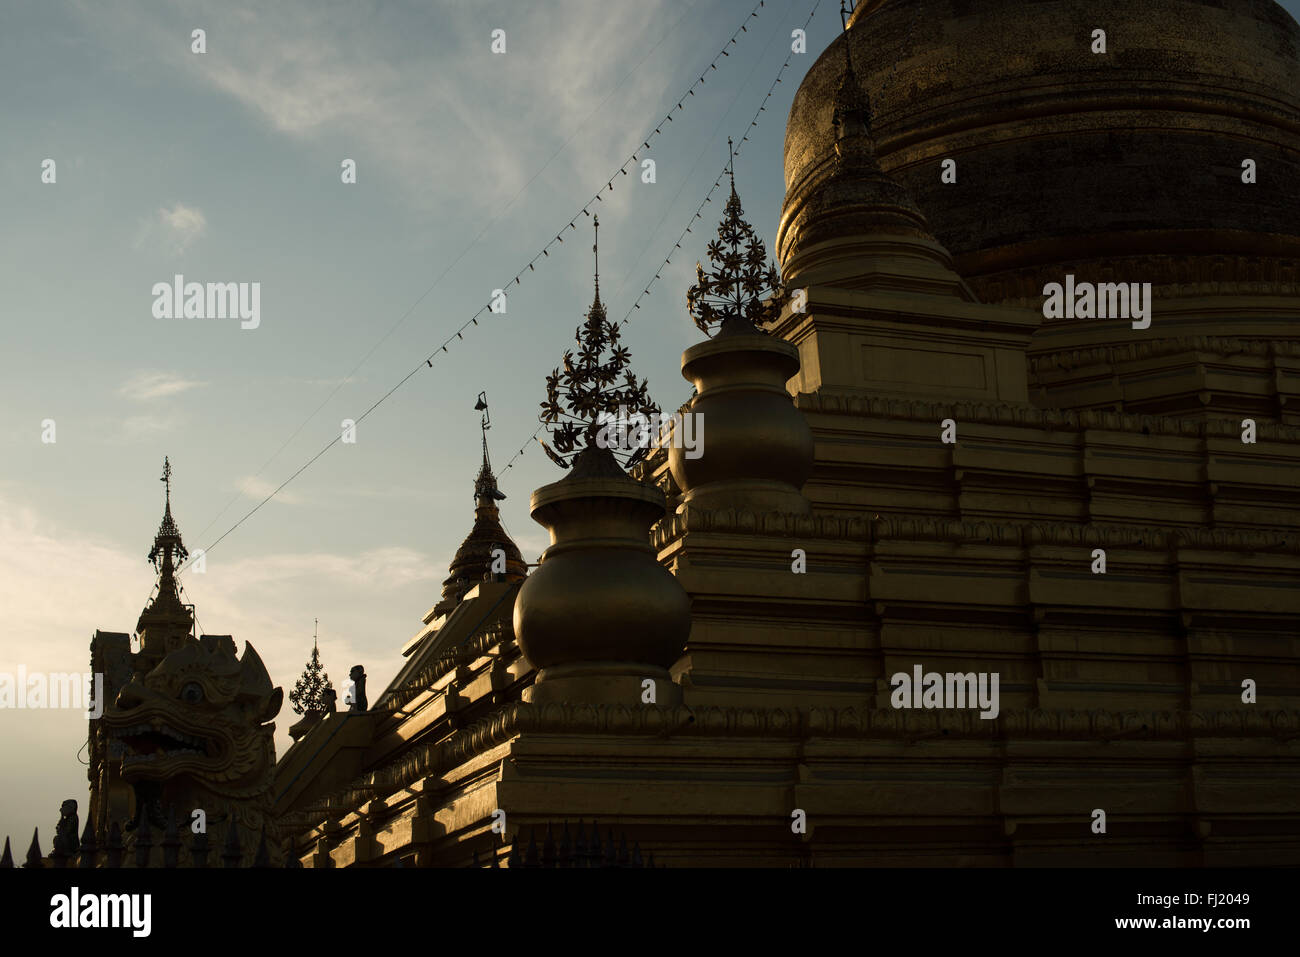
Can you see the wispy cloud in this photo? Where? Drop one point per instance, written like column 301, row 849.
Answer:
column 144, row 386
column 387, row 567
column 325, row 72
column 180, row 225
column 184, row 223
column 173, row 228
column 259, row 488
column 139, row 428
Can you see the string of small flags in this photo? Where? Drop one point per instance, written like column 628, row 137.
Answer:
column 545, row 253
column 459, row 334
column 699, row 211
column 450, row 266
column 717, row 183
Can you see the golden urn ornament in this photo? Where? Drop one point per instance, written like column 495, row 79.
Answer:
column 757, row 449
column 600, row 618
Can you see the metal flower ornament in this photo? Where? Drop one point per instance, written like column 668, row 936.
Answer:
column 733, row 291
column 593, row 388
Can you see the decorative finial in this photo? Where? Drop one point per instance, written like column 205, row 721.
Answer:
column 595, row 250
column 485, row 423
column 731, row 165
column 160, row 624
column 167, row 544
column 313, row 687
column 315, row 632
column 851, row 101
column 486, row 483
column 583, row 397
column 741, row 276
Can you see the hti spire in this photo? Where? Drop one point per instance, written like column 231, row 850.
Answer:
column 485, row 423
column 595, row 251
column 479, row 550
column 167, row 544
column 485, row 486
column 165, row 622
column 740, row 288
column 597, row 312
column 584, row 389
column 851, row 115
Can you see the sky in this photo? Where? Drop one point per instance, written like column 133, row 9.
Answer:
column 225, row 166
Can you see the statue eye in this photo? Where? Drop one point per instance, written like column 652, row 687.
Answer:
column 192, row 692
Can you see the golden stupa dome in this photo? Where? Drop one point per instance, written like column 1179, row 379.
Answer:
column 1128, row 160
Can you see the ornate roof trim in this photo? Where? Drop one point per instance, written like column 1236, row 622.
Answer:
column 746, row 522
column 908, row 726
column 1065, row 420
column 1067, row 359
column 497, row 635
column 1027, row 534
column 1171, row 277
column 1082, row 536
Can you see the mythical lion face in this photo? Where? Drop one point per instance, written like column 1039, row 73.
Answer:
column 201, row 713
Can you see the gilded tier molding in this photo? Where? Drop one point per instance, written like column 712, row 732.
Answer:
column 1171, row 277
column 431, row 761
column 863, row 528
column 1067, row 359
column 746, row 521
column 989, row 413
column 1150, row 538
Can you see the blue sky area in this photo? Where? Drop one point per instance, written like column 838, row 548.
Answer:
column 225, row 167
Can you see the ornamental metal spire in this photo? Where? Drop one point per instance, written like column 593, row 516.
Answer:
column 731, row 165
column 597, row 307
column 477, row 554
column 485, row 486
column 167, row 544
column 852, row 111
column 583, row 398
column 165, row 621
column 308, row 694
column 732, row 294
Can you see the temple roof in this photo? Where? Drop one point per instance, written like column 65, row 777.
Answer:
column 165, row 620
column 473, row 561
